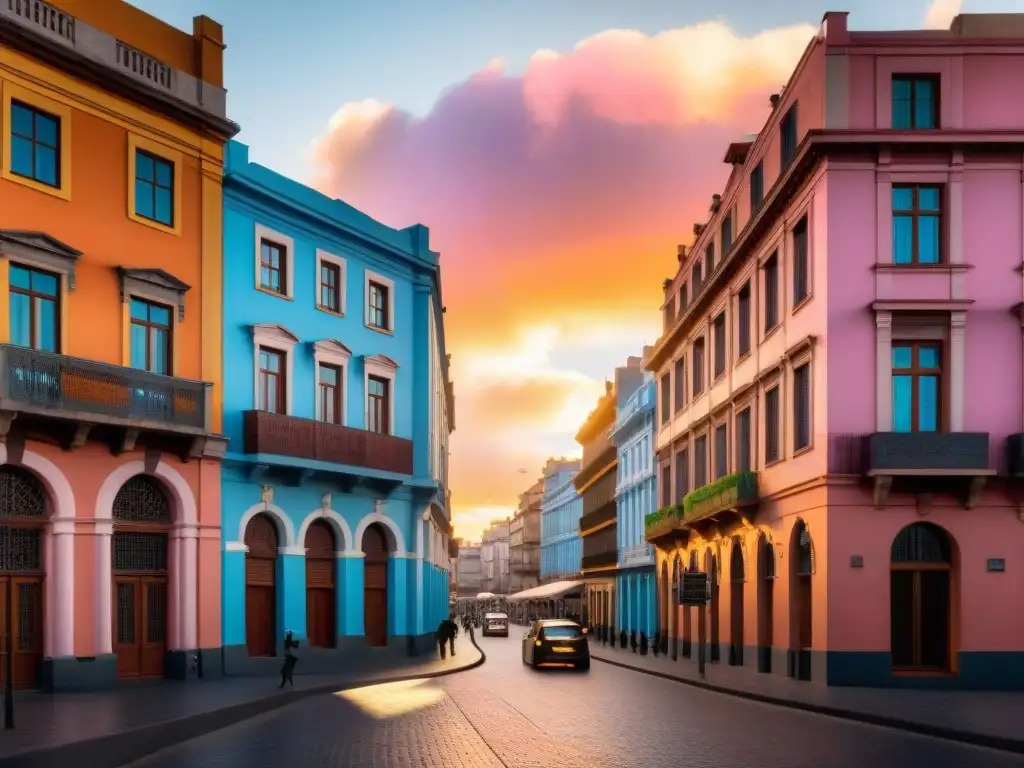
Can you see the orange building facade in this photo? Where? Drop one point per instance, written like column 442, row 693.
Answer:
column 113, row 126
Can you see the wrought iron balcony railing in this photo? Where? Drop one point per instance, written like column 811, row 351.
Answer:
column 273, row 433
column 52, row 385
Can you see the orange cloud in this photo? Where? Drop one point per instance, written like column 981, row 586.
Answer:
column 556, row 197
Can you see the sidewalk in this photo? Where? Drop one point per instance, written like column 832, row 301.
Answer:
column 982, row 718
column 111, row 728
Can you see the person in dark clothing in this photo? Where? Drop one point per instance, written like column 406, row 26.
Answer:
column 453, row 632
column 290, row 660
column 442, row 637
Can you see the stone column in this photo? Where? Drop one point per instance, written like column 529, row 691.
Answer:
column 104, row 531
column 188, row 588
column 62, row 532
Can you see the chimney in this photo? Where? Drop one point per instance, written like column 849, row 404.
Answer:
column 716, row 203
column 680, row 253
column 775, row 98
column 666, row 283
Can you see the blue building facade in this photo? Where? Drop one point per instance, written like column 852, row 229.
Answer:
column 338, row 409
column 561, row 549
column 636, row 495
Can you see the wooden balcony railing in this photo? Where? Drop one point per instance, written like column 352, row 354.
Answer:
column 280, row 435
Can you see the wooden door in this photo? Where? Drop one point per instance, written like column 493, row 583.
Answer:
column 140, row 625
column 261, row 587
column 375, row 604
column 321, row 596
column 26, row 634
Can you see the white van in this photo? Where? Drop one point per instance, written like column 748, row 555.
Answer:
column 496, row 624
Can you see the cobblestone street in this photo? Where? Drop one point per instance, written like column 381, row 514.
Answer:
column 505, row 714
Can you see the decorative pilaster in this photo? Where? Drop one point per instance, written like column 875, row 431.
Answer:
column 957, row 369
column 62, row 531
column 104, row 642
column 883, row 371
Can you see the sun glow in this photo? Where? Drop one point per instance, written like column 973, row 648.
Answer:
column 393, row 699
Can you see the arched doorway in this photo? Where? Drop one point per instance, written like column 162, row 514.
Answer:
column 737, row 579
column 711, row 563
column 261, row 543
column 688, row 613
column 765, row 604
column 674, row 594
column 375, row 585
column 321, row 624
column 142, row 524
column 921, row 599
column 801, row 601
column 23, row 513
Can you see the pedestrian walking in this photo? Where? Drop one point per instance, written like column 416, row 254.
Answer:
column 290, row 660
column 442, row 637
column 453, row 632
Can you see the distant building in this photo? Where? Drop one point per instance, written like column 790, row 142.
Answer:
column 524, row 540
column 470, row 571
column 561, row 550
column 494, row 557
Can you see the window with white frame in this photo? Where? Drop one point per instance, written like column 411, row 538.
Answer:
column 275, row 262
column 330, row 367
column 379, row 385
column 331, row 273
column 273, row 345
column 380, row 302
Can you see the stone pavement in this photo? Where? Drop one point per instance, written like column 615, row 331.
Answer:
column 983, row 718
column 111, row 728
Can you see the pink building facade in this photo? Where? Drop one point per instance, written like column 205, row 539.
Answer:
column 841, row 375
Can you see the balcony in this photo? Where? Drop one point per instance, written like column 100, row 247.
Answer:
column 272, row 433
column 57, row 37
column 666, row 526
column 722, row 501
column 924, row 463
column 608, row 559
column 73, row 400
column 598, row 518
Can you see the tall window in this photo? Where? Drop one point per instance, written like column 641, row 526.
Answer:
column 35, row 309
column 726, row 235
column 801, row 267
column 743, row 458
column 697, row 378
column 669, row 313
column 802, row 406
column 772, row 444
column 682, row 474
column 743, row 321
column 330, row 286
column 915, row 102
column 695, row 279
column 719, row 329
column 379, row 306
column 788, row 137
column 916, row 386
column 35, row 144
column 709, row 258
column 700, row 461
column 378, row 417
column 273, row 263
column 666, row 485
column 771, row 292
column 666, row 395
column 328, row 394
column 679, row 393
column 756, row 187
column 271, row 393
column 683, row 298
column 154, row 188
column 721, row 451
column 916, row 224
column 151, row 337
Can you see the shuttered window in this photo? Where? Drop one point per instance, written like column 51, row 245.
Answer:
column 719, row 327
column 698, row 367
column 802, row 407
column 700, row 461
column 721, row 451
column 801, row 283
column 743, row 321
column 682, row 474
column 666, row 485
column 666, row 393
column 771, row 292
column 679, row 393
column 743, row 441
column 771, row 426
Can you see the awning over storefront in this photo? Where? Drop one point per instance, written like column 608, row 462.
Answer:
column 552, row 591
column 485, row 596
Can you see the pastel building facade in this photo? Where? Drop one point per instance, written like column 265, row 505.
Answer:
column 112, row 126
column 561, row 550
column 636, row 496
column 338, row 407
column 840, row 379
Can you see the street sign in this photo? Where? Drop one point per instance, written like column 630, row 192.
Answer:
column 695, row 589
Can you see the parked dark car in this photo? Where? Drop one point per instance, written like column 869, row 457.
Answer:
column 556, row 643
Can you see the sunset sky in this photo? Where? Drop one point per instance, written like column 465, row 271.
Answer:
column 558, row 151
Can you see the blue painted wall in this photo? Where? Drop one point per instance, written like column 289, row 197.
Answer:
column 297, row 491
column 561, row 548
column 636, row 496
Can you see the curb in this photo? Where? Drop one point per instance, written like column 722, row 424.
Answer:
column 119, row 749
column 989, row 741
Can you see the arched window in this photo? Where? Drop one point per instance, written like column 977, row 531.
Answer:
column 921, row 594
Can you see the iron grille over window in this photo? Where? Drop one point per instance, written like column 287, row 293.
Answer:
column 21, row 495
column 921, row 543
column 142, row 500
column 139, row 552
column 20, row 549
